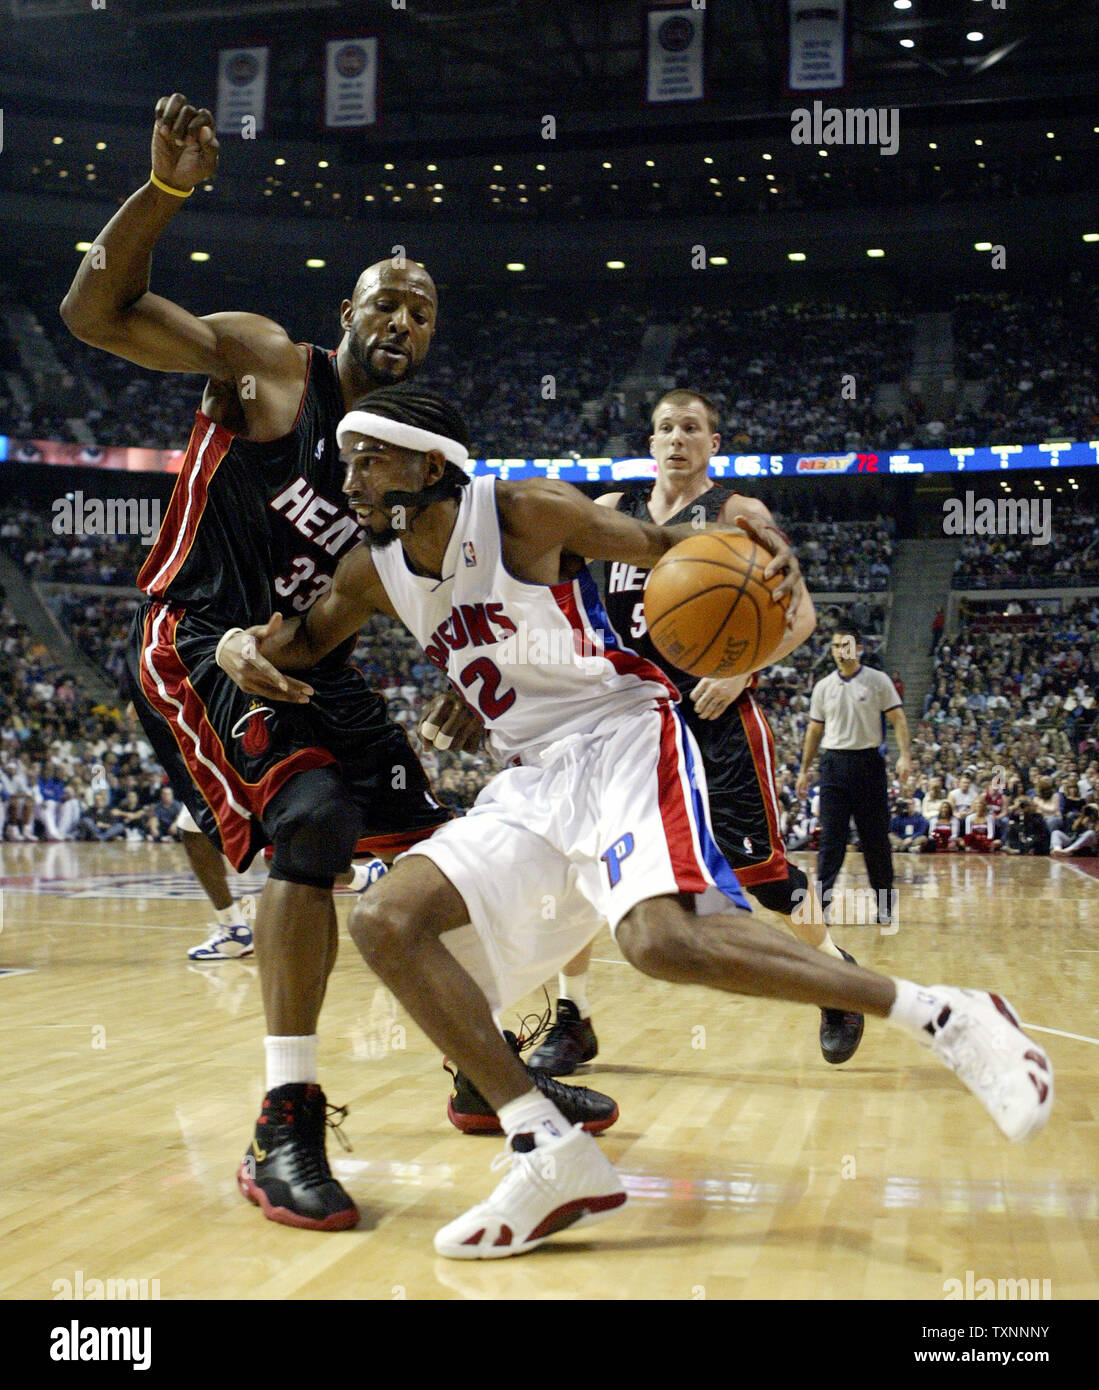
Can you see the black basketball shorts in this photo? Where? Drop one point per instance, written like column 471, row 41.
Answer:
column 227, row 753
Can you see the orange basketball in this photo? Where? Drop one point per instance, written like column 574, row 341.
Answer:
column 709, row 609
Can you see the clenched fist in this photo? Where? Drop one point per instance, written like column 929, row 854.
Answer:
column 185, row 147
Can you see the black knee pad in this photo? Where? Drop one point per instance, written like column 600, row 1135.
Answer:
column 314, row 825
column 782, row 895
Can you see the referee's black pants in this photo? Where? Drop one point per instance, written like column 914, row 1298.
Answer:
column 854, row 784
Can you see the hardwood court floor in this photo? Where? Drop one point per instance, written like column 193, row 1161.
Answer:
column 131, row 1081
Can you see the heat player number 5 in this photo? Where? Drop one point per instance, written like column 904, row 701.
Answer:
column 637, row 621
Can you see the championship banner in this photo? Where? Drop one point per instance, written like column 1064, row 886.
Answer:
column 818, row 45
column 676, row 46
column 242, row 90
column 350, row 82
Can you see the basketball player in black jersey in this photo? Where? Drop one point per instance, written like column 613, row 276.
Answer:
column 731, row 730
column 256, row 526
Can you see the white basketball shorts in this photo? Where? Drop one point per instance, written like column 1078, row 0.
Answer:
column 550, row 851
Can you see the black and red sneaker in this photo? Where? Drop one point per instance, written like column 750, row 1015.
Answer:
column 568, row 1044
column 468, row 1110
column 285, row 1171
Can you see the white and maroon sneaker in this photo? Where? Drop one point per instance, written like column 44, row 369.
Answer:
column 554, row 1186
column 978, row 1036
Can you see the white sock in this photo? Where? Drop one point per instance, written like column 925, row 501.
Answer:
column 290, row 1060
column 231, row 916
column 533, row 1114
column 575, row 988
column 915, row 1007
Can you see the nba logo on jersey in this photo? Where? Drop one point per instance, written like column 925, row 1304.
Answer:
column 469, row 553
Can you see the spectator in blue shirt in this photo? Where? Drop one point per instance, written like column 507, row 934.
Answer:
column 908, row 830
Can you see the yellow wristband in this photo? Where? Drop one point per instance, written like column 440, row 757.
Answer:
column 167, row 187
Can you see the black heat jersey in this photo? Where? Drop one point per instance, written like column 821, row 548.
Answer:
column 254, row 529
column 625, row 584
column 257, row 528
column 737, row 747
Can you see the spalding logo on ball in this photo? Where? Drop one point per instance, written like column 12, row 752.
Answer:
column 708, row 608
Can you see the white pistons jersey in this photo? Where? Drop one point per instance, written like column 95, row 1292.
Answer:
column 538, row 661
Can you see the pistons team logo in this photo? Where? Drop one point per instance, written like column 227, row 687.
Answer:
column 252, row 730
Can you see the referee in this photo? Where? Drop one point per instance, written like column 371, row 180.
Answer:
column 846, row 721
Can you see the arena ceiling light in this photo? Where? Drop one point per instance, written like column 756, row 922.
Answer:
column 516, row 265
column 908, row 43
column 795, row 256
column 875, row 253
column 982, row 246
column 902, row 4
column 719, row 260
column 87, row 245
column 1088, row 236
column 280, row 161
column 200, row 255
column 974, row 36
column 616, row 265
column 315, row 263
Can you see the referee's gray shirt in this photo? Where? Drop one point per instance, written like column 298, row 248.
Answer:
column 851, row 708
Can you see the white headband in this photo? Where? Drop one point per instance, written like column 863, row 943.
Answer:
column 404, row 436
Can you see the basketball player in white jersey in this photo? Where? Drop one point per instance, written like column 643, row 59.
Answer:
column 730, row 728
column 600, row 813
